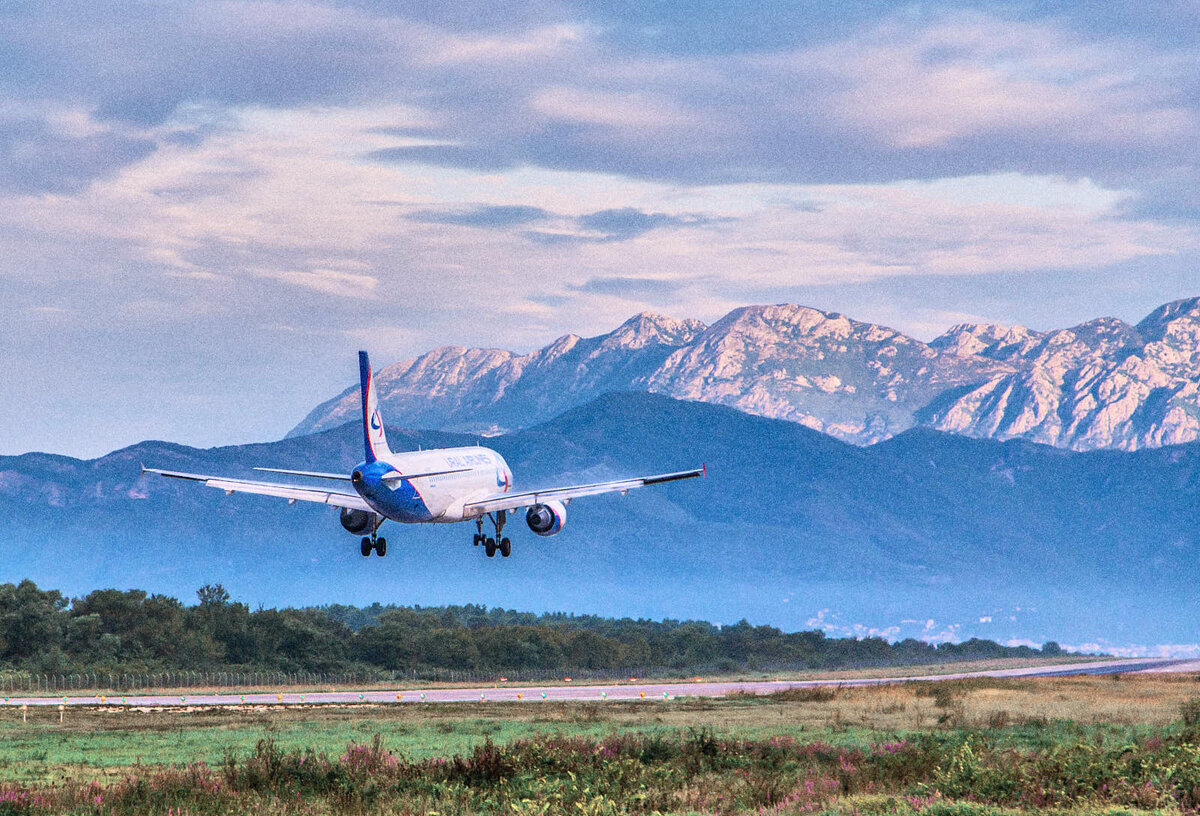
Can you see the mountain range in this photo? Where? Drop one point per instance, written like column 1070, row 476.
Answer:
column 925, row 534
column 1103, row 384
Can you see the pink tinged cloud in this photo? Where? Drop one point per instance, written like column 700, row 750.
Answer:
column 917, row 88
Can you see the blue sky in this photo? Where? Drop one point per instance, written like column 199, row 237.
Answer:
column 207, row 207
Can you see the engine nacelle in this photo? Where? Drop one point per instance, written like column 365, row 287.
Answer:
column 546, row 519
column 358, row 521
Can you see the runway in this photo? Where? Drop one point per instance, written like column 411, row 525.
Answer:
column 1187, row 666
column 625, row 691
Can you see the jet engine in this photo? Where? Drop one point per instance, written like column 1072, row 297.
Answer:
column 546, row 519
column 359, row 522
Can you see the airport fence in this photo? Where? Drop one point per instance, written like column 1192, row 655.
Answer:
column 18, row 682
column 99, row 681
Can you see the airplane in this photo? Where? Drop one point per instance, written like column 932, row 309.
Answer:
column 437, row 486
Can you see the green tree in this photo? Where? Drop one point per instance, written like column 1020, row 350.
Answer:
column 392, row 643
column 212, row 595
column 32, row 620
column 448, row 648
column 222, row 626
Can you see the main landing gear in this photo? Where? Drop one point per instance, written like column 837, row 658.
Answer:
column 373, row 542
column 492, row 544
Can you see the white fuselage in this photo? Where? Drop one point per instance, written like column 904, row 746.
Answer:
column 473, row 473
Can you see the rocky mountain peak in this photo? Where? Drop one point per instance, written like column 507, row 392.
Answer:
column 1107, row 336
column 649, row 328
column 1100, row 384
column 443, row 367
column 785, row 318
column 1186, row 307
column 1159, row 323
column 558, row 348
column 992, row 340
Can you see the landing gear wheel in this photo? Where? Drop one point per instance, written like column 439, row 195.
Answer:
column 365, row 548
column 499, row 542
column 478, row 538
column 381, row 546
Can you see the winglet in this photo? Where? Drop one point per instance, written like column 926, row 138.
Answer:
column 374, row 438
column 703, row 470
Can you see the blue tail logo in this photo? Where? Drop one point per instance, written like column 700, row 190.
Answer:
column 374, row 438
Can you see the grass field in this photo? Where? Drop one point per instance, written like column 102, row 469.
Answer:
column 1082, row 744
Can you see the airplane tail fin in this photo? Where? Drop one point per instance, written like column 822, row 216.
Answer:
column 374, row 437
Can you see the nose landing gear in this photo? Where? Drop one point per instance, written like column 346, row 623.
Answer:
column 499, row 543
column 372, row 542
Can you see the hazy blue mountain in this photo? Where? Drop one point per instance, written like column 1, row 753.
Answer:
column 924, row 532
column 1102, row 384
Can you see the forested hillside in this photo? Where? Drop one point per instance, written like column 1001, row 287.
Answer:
column 112, row 630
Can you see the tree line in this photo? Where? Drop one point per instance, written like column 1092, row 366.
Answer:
column 110, row 630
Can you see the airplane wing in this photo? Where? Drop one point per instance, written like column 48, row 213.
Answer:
column 292, row 493
column 511, row 501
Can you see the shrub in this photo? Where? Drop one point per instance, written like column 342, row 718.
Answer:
column 657, row 748
column 807, row 694
column 1189, row 710
column 998, row 719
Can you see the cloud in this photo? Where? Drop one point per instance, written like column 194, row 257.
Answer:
column 533, row 43
column 1169, row 650
column 970, row 76
column 498, row 216
column 611, row 109
column 36, row 158
column 628, row 222
column 328, row 281
column 830, row 624
column 287, row 190
column 627, row 287
column 931, row 631
column 473, row 157
column 956, row 93
column 622, row 224
column 864, row 95
column 597, row 227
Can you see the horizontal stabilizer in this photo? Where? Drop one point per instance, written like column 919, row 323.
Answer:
column 292, row 493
